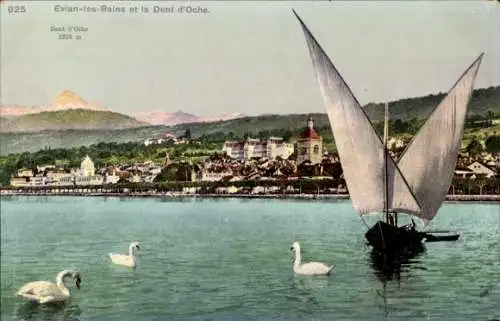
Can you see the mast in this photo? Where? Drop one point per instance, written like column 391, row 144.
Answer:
column 386, row 175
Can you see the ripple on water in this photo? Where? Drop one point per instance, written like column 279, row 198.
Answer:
column 230, row 259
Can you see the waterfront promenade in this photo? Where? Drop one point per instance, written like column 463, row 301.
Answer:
column 94, row 193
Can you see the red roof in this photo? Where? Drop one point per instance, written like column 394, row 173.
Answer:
column 309, row 133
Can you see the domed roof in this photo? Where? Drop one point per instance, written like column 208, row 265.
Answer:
column 309, row 132
column 87, row 161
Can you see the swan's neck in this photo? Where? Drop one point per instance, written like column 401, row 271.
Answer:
column 131, row 250
column 298, row 258
column 60, row 279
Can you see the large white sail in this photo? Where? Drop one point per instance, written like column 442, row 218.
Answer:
column 360, row 148
column 429, row 161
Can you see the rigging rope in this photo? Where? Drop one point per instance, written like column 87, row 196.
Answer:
column 363, row 220
column 380, row 227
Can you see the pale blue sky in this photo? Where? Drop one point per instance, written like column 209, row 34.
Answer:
column 248, row 57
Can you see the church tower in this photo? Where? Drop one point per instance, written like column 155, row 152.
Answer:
column 309, row 145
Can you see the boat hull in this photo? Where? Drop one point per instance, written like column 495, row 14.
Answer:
column 388, row 238
column 384, row 237
column 440, row 238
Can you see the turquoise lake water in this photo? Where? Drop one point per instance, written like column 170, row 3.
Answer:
column 229, row 259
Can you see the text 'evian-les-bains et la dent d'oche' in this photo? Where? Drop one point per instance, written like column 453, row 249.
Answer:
column 130, row 9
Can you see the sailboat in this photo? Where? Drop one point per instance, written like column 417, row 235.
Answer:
column 417, row 184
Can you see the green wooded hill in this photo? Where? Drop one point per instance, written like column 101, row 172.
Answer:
column 484, row 103
column 68, row 119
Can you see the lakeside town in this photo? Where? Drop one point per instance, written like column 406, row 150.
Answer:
column 251, row 166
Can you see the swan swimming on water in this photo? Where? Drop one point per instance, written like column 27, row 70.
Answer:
column 126, row 260
column 310, row 268
column 48, row 292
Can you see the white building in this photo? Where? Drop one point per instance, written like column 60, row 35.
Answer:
column 277, row 147
column 111, row 178
column 209, row 176
column 25, row 172
column 60, row 179
column 89, row 180
column 19, row 181
column 227, row 190
column 397, row 142
column 190, row 190
column 256, row 148
column 87, row 167
column 234, row 149
column 43, row 168
column 152, row 141
column 38, row 180
column 479, row 169
column 86, row 175
column 66, row 181
column 135, row 178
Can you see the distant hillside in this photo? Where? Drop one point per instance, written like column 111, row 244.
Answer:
column 254, row 124
column 483, row 100
column 68, row 119
column 180, row 117
column 15, row 110
column 31, row 142
column 164, row 118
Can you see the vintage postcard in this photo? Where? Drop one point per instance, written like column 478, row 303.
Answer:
column 250, row 160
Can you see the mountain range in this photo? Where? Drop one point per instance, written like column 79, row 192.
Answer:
column 70, row 111
column 66, row 100
column 180, row 117
column 483, row 102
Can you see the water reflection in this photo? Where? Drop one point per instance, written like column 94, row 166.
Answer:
column 392, row 267
column 28, row 310
column 306, row 289
column 388, row 267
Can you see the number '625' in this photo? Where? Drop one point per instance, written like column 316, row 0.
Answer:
column 17, row 9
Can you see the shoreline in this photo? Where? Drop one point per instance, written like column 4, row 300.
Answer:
column 449, row 198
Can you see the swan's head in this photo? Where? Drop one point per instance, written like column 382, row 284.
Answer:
column 135, row 245
column 78, row 279
column 295, row 246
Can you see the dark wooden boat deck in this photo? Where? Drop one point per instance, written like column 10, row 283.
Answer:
column 387, row 238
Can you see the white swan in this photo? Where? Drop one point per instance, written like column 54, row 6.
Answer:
column 126, row 260
column 48, row 292
column 311, row 268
